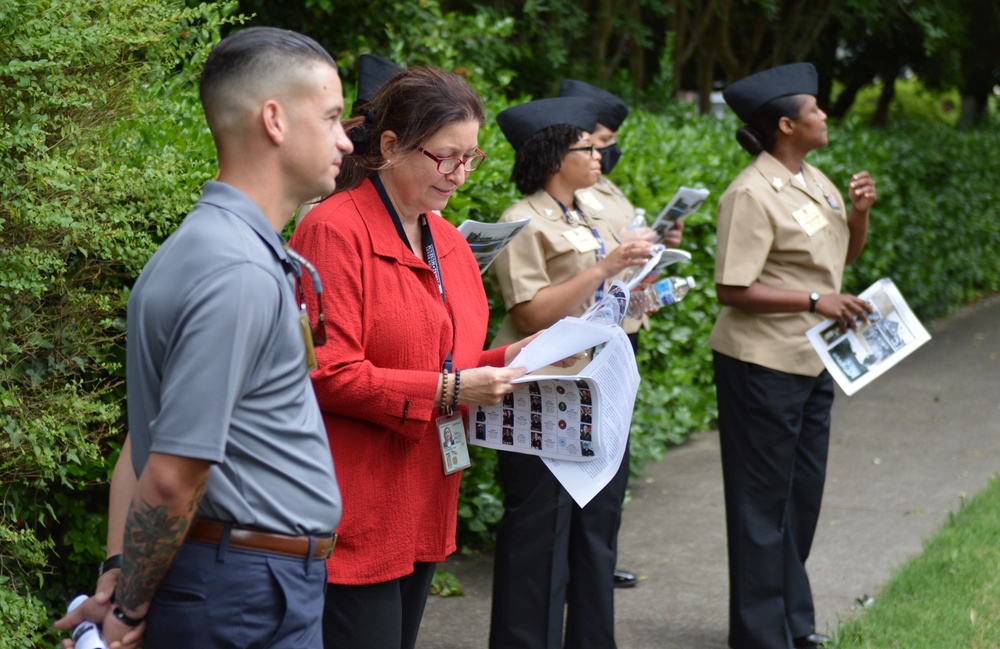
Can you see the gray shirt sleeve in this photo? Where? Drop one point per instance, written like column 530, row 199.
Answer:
column 217, row 346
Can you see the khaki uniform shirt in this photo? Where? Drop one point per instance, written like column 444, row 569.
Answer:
column 773, row 231
column 544, row 254
column 611, row 205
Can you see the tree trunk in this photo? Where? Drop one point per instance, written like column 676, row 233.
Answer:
column 846, row 98
column 637, row 53
column 603, row 31
column 973, row 110
column 706, row 79
column 881, row 115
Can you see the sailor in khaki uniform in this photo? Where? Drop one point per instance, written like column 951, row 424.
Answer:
column 784, row 237
column 553, row 247
column 552, row 555
column 610, row 204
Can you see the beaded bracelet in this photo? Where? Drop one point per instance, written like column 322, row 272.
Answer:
column 458, row 378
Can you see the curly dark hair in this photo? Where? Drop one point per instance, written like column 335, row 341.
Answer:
column 541, row 156
column 415, row 104
column 758, row 134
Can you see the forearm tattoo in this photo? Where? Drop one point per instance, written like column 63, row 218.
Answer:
column 152, row 538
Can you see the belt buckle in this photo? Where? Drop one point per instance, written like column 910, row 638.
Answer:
column 329, row 550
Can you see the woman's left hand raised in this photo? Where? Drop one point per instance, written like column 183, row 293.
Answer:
column 862, row 191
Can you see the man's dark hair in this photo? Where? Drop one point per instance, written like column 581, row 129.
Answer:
column 254, row 55
column 541, row 156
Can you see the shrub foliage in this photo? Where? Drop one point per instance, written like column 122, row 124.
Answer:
column 104, row 150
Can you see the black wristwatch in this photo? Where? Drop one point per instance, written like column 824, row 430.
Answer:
column 112, row 562
column 813, row 299
column 125, row 618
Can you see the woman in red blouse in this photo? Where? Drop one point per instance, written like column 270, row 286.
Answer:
column 404, row 343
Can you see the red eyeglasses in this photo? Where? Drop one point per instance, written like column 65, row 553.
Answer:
column 446, row 166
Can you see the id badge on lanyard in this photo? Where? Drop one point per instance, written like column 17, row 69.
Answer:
column 454, row 447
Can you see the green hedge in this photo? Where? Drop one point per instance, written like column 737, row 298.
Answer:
column 105, row 149
column 102, row 150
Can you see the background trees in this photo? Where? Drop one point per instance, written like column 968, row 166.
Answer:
column 104, row 149
column 650, row 49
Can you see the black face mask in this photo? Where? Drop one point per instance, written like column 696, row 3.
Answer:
column 610, row 155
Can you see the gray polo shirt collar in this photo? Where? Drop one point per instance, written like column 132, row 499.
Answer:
column 228, row 198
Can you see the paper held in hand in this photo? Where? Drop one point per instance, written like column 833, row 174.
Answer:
column 856, row 358
column 487, row 240
column 582, row 418
column 684, row 203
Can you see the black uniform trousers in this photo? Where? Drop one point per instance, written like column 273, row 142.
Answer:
column 551, row 555
column 774, row 431
column 377, row 616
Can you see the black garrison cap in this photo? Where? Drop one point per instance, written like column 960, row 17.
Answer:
column 373, row 73
column 612, row 111
column 750, row 93
column 520, row 122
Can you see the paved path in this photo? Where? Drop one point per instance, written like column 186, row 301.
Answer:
column 905, row 451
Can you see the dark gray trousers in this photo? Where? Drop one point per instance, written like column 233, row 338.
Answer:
column 221, row 597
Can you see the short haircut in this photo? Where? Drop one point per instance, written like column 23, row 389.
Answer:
column 414, row 104
column 541, row 156
column 249, row 64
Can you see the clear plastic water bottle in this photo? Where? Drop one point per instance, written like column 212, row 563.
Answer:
column 639, row 220
column 86, row 634
column 659, row 294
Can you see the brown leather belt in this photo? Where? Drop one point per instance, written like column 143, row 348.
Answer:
column 246, row 537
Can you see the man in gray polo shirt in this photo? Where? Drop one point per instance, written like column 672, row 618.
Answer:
column 235, row 501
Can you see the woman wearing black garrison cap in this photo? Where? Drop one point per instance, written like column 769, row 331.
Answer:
column 551, row 554
column 784, row 237
column 611, row 204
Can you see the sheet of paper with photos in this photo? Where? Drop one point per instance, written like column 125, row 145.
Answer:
column 551, row 418
column 855, row 358
column 562, row 416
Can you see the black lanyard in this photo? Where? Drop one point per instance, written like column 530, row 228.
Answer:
column 430, row 252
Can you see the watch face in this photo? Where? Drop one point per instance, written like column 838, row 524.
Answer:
column 814, row 296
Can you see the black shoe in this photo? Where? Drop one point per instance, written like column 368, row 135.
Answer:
column 811, row 641
column 625, row 579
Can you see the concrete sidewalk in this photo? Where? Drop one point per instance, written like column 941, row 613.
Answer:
column 905, row 451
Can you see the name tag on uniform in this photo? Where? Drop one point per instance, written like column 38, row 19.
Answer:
column 588, row 198
column 582, row 239
column 810, row 218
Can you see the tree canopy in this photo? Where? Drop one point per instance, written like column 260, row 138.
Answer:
column 648, row 50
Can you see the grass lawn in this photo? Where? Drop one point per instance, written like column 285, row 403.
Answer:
column 948, row 597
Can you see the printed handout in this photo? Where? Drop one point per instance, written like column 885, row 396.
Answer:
column 581, row 419
column 487, row 240
column 685, row 202
column 856, row 358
